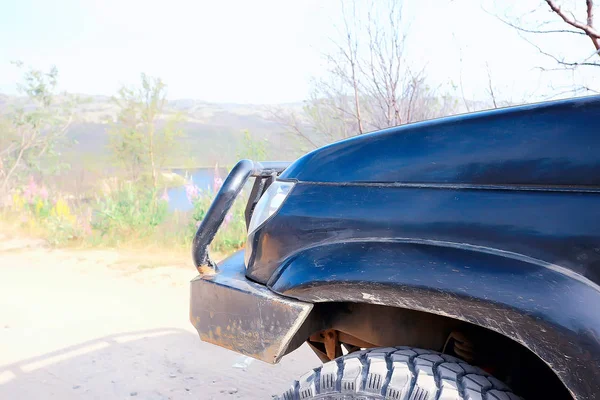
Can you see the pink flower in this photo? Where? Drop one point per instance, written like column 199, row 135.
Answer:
column 43, row 193
column 217, row 184
column 30, row 190
column 165, row 196
column 227, row 219
column 217, row 181
column 192, row 192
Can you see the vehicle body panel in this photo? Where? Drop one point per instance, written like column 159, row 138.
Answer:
column 554, row 143
column 554, row 227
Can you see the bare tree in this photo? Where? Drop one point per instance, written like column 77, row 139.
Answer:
column 573, row 21
column 139, row 140
column 291, row 121
column 582, row 29
column 490, row 88
column 370, row 84
column 349, row 53
column 384, row 68
column 585, row 27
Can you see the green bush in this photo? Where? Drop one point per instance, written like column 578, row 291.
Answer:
column 232, row 234
column 40, row 213
column 128, row 213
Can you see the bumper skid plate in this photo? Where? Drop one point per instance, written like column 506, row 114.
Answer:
column 233, row 312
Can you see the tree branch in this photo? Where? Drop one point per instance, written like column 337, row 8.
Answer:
column 491, row 86
column 590, row 12
column 536, row 30
column 559, row 61
column 8, row 175
column 291, row 122
column 460, row 78
column 588, row 28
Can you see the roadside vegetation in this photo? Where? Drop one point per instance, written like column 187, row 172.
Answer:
column 127, row 209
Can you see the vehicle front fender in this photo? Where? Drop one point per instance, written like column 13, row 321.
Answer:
column 547, row 308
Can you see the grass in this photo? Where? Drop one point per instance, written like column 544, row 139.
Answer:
column 130, row 217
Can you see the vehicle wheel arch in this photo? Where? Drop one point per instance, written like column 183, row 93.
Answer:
column 549, row 340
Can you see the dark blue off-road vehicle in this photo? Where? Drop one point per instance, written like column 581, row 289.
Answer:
column 448, row 259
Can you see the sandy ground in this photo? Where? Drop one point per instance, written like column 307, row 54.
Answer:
column 91, row 324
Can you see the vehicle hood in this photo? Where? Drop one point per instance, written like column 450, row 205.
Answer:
column 553, row 143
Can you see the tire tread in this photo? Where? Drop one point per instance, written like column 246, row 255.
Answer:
column 398, row 373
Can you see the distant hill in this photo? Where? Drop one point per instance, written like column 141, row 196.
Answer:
column 212, row 131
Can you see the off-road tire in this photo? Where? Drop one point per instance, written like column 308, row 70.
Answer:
column 401, row 373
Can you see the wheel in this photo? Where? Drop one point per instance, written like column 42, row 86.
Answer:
column 401, row 373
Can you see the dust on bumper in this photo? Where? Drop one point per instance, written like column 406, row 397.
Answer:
column 233, row 312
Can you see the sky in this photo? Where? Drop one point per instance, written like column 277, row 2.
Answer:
column 261, row 51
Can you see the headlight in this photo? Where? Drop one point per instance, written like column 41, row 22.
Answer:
column 269, row 203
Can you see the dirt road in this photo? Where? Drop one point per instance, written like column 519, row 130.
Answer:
column 91, row 324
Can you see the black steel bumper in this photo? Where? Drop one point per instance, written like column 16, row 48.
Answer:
column 233, row 312
column 264, row 173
